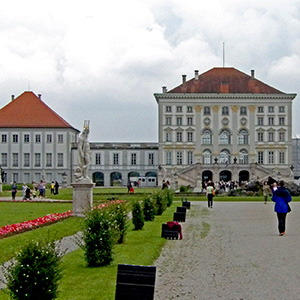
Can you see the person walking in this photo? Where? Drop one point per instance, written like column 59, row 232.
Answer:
column 56, row 187
column 210, row 194
column 281, row 197
column 266, row 191
column 14, row 189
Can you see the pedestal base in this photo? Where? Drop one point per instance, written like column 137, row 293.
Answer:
column 82, row 197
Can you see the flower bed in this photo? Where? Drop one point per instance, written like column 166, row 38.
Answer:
column 46, row 220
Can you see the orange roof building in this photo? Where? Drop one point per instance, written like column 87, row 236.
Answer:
column 35, row 142
column 224, row 125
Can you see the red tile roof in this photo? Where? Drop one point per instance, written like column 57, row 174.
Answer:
column 30, row 111
column 225, row 80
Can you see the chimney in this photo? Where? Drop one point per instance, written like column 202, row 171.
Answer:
column 196, row 74
column 252, row 74
column 164, row 89
column 12, row 97
column 183, row 79
column 40, row 96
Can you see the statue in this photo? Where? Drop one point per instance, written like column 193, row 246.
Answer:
column 84, row 153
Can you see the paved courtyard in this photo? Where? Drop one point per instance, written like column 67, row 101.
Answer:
column 232, row 251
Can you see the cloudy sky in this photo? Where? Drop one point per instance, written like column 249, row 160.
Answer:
column 103, row 60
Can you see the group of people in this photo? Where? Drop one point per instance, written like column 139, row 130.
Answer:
column 279, row 193
column 37, row 188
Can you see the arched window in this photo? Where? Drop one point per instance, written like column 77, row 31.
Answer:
column 243, row 157
column 207, row 157
column 224, row 157
column 243, row 137
column 225, row 137
column 206, row 137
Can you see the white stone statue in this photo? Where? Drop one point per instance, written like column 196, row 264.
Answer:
column 84, row 153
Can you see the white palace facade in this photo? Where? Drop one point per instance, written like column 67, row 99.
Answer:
column 219, row 125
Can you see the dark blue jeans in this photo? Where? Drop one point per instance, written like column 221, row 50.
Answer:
column 281, row 222
column 210, row 200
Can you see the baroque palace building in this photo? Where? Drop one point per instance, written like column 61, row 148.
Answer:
column 220, row 125
column 224, row 125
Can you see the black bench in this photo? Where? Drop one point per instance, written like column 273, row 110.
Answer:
column 181, row 209
column 135, row 282
column 186, row 204
column 179, row 216
column 170, row 233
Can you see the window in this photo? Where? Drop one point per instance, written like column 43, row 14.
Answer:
column 281, row 109
column 168, row 121
column 271, row 121
column 179, row 158
column 243, row 111
column 49, row 138
column 60, row 138
column 179, row 109
column 3, row 138
column 179, row 121
column 281, row 136
column 260, row 157
column 260, row 121
column 151, row 159
column 15, row 138
column 206, row 137
column 206, row 111
column 37, row 138
column 225, row 137
column 271, row 109
column 281, row 121
column 271, row 157
column 168, row 108
column 133, row 159
column 190, row 121
column 190, row 157
column 243, row 157
column 15, row 177
column 207, row 157
column 168, row 158
column 60, row 159
column 190, row 136
column 26, row 159
column 260, row 109
column 37, row 159
column 225, row 111
column 281, row 157
column 116, row 158
column 26, row 138
column 98, row 159
column 243, row 137
column 178, row 136
column 4, row 159
column 168, row 137
column 224, row 157
column 48, row 159
column 26, row 177
column 190, row 109
column 271, row 136
column 15, row 162
column 260, row 136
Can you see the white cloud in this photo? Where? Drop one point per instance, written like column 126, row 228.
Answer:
column 90, row 58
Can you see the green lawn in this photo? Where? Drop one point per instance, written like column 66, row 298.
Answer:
column 79, row 282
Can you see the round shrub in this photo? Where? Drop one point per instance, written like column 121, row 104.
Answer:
column 149, row 209
column 160, row 202
column 137, row 216
column 120, row 222
column 97, row 238
column 35, row 272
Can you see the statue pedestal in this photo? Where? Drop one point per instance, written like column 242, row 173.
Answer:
column 82, row 197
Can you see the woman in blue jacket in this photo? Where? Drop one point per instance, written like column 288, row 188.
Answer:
column 281, row 197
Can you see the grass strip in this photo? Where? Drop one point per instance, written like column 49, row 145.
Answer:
column 141, row 247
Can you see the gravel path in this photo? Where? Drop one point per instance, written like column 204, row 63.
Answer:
column 232, row 251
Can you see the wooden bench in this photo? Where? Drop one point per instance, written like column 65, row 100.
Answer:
column 135, row 282
column 170, row 233
column 179, row 216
